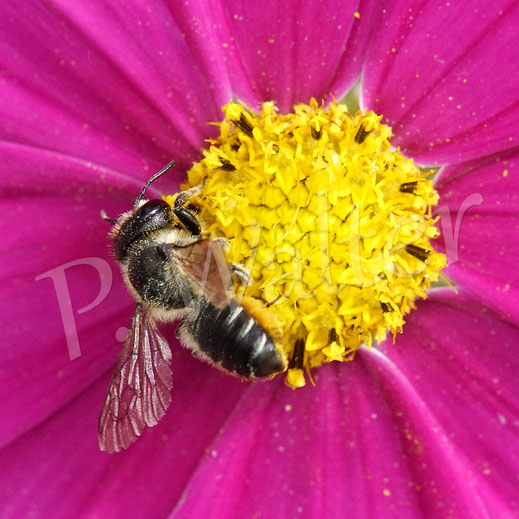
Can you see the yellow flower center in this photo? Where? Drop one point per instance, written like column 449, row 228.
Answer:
column 333, row 225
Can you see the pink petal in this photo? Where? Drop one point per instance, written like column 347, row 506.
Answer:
column 50, row 218
column 328, row 451
column 291, row 52
column 56, row 469
column 479, row 204
column 446, row 77
column 462, row 363
column 124, row 88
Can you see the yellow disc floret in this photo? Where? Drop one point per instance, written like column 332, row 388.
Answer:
column 333, row 225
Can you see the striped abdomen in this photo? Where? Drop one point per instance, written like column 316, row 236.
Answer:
column 232, row 338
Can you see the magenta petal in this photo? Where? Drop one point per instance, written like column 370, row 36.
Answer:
column 305, row 453
column 292, row 52
column 446, row 77
column 479, row 208
column 119, row 87
column 57, row 471
column 341, row 449
column 462, row 363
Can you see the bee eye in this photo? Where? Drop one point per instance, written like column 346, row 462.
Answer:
column 152, row 208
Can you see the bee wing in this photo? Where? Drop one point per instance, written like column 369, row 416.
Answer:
column 139, row 392
column 204, row 261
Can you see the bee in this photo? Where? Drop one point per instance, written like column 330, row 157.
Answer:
column 175, row 274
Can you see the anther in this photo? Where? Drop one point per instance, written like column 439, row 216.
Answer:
column 273, row 302
column 226, row 165
column 316, row 134
column 386, row 307
column 408, row 187
column 361, row 135
column 417, row 252
column 332, row 336
column 244, row 125
column 298, row 356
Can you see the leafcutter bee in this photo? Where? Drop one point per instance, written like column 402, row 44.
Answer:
column 175, row 273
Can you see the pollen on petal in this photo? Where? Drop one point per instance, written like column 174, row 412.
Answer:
column 333, row 224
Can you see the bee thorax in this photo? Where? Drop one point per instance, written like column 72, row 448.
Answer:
column 154, row 280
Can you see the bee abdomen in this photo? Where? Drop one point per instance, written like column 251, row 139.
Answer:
column 232, row 338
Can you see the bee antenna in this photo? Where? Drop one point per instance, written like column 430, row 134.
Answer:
column 104, row 216
column 157, row 175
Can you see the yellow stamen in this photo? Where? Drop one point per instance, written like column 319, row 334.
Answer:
column 333, row 224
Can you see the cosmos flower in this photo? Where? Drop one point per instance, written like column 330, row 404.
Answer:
column 94, row 99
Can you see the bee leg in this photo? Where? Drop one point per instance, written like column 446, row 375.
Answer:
column 223, row 242
column 186, row 217
column 180, row 328
column 240, row 274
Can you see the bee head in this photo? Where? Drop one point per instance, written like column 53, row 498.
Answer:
column 146, row 217
column 151, row 216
